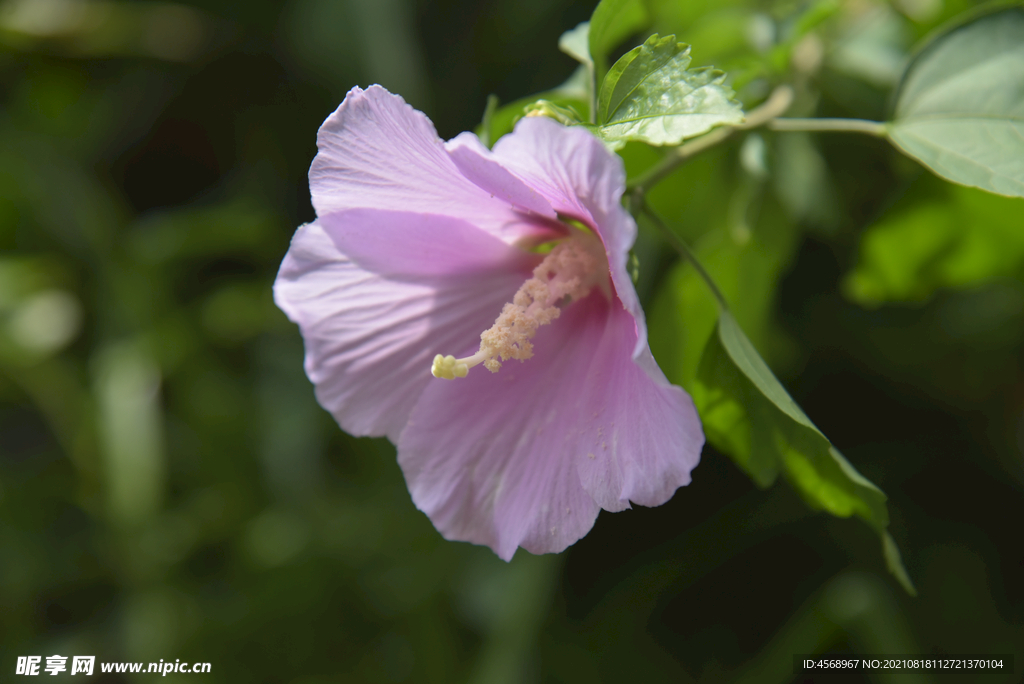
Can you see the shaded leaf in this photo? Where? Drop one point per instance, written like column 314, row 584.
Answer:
column 651, row 96
column 745, row 412
column 894, row 563
column 745, row 254
column 960, row 107
column 487, row 125
column 872, row 48
column 612, row 22
column 803, row 182
column 573, row 95
column 746, row 358
column 727, row 32
column 938, row 236
column 749, row 415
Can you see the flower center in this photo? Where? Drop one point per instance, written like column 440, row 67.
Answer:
column 568, row 273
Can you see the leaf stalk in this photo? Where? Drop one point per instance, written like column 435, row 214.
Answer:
column 776, row 105
column 875, row 128
column 639, row 206
column 768, row 114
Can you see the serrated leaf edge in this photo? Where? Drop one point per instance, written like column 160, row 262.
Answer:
column 680, row 49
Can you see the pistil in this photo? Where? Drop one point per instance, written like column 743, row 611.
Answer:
column 567, row 274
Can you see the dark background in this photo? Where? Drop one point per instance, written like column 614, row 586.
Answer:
column 169, row 487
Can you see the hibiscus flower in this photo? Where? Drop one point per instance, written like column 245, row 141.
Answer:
column 474, row 306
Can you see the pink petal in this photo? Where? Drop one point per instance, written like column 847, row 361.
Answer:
column 477, row 164
column 580, row 177
column 370, row 340
column 655, row 436
column 571, row 168
column 377, row 152
column 527, row 456
column 405, row 245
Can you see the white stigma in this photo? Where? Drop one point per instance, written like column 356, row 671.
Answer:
column 567, row 274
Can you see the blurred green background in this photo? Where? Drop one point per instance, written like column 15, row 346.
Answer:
column 169, row 487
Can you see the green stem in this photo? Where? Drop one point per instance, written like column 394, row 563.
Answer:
column 874, row 128
column 767, row 115
column 592, row 72
column 671, row 161
column 684, row 249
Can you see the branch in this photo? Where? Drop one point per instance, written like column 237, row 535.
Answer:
column 874, row 128
column 639, row 206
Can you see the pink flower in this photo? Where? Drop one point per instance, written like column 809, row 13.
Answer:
column 424, row 251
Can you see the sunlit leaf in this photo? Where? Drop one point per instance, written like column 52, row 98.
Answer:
column 576, row 44
column 960, row 107
column 650, row 95
column 749, row 415
column 938, row 237
column 567, row 116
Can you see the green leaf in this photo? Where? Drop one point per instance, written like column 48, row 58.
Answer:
column 567, row 116
column 724, row 29
column 649, row 95
column 748, row 414
column 938, row 236
column 894, row 563
column 487, row 125
column 746, row 358
column 745, row 261
column 803, row 182
column 960, row 106
column 611, row 23
column 576, row 44
column 764, row 436
column 573, row 95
